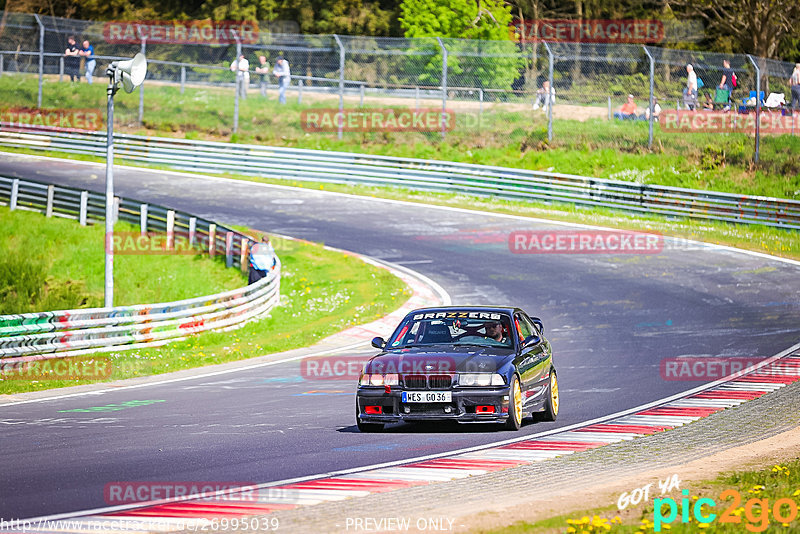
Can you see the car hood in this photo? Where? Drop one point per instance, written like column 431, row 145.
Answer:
column 441, row 359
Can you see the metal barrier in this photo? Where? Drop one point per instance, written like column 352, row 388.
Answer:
column 57, row 334
column 418, row 174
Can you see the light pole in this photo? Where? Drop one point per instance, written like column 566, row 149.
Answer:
column 131, row 74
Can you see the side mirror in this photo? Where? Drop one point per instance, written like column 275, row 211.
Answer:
column 531, row 340
column 378, row 342
column 538, row 323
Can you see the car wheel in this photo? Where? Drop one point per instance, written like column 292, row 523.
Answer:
column 367, row 427
column 514, row 421
column 552, row 403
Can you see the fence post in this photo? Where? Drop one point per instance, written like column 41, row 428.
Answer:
column 552, row 92
column 244, row 252
column 170, row 229
column 609, row 107
column 41, row 59
column 141, row 86
column 192, row 230
column 444, row 82
column 12, row 203
column 229, row 249
column 361, row 102
column 51, row 189
column 758, row 106
column 416, row 97
column 236, row 84
column 115, row 211
column 84, row 204
column 299, row 91
column 183, row 78
column 212, row 240
column 143, row 218
column 652, row 96
column 2, row 64
column 341, row 85
column 61, row 68
column 480, row 107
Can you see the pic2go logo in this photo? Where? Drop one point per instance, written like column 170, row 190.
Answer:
column 756, row 511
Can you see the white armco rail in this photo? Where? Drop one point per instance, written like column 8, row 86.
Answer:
column 56, row 334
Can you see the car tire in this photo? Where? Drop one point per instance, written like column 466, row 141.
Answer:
column 367, row 427
column 515, row 413
column 551, row 405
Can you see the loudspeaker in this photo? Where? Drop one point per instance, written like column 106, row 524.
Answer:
column 130, row 72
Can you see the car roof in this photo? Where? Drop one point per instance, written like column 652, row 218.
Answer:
column 498, row 309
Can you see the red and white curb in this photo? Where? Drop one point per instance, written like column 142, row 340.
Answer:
column 198, row 513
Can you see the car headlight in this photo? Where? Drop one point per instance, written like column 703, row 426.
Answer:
column 481, row 379
column 377, row 379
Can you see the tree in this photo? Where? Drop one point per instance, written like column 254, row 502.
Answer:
column 492, row 61
column 758, row 26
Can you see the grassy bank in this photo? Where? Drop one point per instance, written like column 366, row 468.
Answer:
column 758, row 493
column 56, row 264
column 322, row 292
column 513, row 138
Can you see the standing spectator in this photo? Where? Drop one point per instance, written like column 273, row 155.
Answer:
column 241, row 67
column 283, row 74
column 627, row 111
column 690, row 91
column 726, row 82
column 72, row 60
column 541, row 96
column 263, row 70
column 88, row 54
column 794, row 82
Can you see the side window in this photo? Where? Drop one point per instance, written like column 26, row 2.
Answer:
column 533, row 327
column 525, row 327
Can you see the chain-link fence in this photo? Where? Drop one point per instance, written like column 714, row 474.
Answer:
column 492, row 87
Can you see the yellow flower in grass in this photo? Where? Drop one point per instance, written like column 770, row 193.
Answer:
column 756, row 489
column 796, row 493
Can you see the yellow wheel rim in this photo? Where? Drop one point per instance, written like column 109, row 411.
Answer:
column 554, row 393
column 517, row 401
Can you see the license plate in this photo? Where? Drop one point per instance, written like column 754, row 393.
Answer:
column 427, row 396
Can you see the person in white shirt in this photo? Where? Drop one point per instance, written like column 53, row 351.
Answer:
column 690, row 93
column 242, row 69
column 283, row 74
column 541, row 96
column 263, row 70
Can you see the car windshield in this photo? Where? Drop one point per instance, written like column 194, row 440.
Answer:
column 453, row 328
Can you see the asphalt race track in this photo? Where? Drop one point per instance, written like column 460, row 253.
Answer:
column 610, row 318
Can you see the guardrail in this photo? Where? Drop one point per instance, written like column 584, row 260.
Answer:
column 56, row 334
column 418, row 174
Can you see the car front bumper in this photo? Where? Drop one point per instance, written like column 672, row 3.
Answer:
column 461, row 409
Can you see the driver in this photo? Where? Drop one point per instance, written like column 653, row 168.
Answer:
column 494, row 330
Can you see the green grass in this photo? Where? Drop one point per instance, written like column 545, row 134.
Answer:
column 780, row 481
column 596, row 147
column 322, row 292
column 55, row 264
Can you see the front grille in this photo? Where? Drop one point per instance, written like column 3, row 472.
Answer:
column 440, row 381
column 415, row 381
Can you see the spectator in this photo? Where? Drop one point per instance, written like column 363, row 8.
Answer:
column 283, row 74
column 690, row 91
column 541, row 96
column 627, row 111
column 88, row 53
column 726, row 83
column 656, row 108
column 794, row 82
column 242, row 69
column 72, row 60
column 263, row 70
